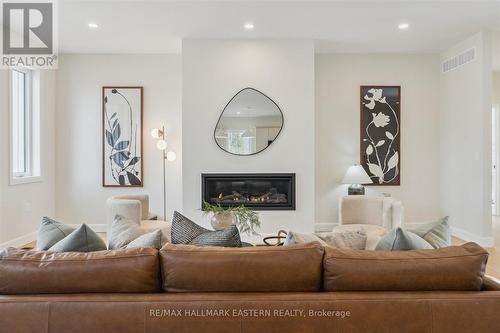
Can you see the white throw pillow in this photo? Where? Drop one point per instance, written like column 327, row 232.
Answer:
column 125, row 231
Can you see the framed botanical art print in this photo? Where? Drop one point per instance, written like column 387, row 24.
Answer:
column 122, row 164
column 380, row 128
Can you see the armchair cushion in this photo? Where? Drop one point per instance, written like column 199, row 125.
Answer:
column 373, row 210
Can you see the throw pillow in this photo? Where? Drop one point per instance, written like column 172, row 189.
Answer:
column 122, row 232
column 374, row 233
column 126, row 233
column 51, row 232
column 151, row 239
column 437, row 233
column 402, row 240
column 83, row 239
column 355, row 240
column 185, row 231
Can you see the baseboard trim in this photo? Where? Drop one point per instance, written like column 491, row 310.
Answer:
column 19, row 241
column 470, row 237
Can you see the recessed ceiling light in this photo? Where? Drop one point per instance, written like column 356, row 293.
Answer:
column 238, row 112
column 249, row 26
column 403, row 26
column 92, row 25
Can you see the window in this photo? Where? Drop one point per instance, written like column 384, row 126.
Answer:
column 24, row 126
column 240, row 142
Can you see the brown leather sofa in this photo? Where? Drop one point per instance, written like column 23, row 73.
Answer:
column 303, row 288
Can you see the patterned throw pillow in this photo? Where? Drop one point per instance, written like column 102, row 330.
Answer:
column 51, row 232
column 185, row 231
column 402, row 240
column 83, row 239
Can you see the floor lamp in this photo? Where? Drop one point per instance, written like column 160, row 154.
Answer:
column 161, row 144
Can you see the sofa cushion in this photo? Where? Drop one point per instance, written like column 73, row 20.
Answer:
column 185, row 231
column 402, row 240
column 449, row 268
column 118, row 271
column 51, row 232
column 83, row 239
column 187, row 268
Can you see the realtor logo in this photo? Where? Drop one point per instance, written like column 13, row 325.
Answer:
column 28, row 34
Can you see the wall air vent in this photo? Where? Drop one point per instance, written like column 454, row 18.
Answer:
column 459, row 60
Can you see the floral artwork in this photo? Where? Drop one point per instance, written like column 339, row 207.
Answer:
column 380, row 134
column 122, row 136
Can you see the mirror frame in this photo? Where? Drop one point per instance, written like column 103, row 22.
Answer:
column 224, row 109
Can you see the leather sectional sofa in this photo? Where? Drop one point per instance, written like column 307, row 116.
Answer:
column 305, row 288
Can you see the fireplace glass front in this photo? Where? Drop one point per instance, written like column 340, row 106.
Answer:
column 274, row 191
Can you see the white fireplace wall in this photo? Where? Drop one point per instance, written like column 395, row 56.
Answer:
column 215, row 70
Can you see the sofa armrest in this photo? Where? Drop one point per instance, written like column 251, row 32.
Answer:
column 490, row 284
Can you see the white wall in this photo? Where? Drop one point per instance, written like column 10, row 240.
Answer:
column 466, row 142
column 213, row 71
column 23, row 206
column 496, row 88
column 80, row 196
column 338, row 80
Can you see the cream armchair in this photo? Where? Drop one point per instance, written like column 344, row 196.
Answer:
column 135, row 208
column 376, row 215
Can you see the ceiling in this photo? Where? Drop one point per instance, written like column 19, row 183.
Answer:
column 336, row 26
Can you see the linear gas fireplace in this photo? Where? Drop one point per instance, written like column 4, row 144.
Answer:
column 260, row 191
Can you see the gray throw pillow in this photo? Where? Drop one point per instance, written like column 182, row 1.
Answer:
column 151, row 239
column 122, row 232
column 437, row 233
column 402, row 240
column 185, row 231
column 51, row 232
column 83, row 239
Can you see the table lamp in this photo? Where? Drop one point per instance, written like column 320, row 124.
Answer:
column 356, row 176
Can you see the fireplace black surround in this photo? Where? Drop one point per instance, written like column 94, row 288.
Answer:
column 260, row 191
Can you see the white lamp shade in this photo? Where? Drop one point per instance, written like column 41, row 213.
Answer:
column 161, row 144
column 171, row 156
column 156, row 133
column 356, row 175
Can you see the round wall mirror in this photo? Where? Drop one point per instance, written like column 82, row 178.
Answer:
column 249, row 123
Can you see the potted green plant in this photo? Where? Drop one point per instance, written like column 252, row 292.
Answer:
column 246, row 219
